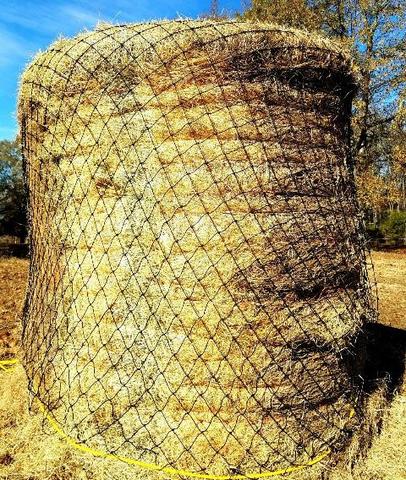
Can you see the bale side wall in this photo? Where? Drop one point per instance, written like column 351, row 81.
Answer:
column 198, row 276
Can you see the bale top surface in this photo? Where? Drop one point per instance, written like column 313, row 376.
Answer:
column 136, row 50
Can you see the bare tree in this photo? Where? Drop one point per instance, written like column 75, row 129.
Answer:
column 214, row 9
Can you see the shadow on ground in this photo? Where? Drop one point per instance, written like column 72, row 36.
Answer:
column 385, row 354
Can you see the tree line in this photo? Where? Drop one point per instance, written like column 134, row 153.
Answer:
column 374, row 31
column 13, row 214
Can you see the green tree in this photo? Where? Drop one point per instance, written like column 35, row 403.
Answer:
column 394, row 227
column 13, row 219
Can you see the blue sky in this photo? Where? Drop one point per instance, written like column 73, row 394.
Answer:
column 27, row 26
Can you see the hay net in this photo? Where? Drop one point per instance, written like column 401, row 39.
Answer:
column 198, row 283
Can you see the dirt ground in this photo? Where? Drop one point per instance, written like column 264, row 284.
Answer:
column 13, row 275
column 29, row 451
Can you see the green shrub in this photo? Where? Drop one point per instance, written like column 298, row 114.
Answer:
column 394, row 226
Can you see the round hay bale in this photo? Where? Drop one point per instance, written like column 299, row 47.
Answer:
column 197, row 269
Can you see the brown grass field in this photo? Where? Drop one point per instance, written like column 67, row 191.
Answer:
column 390, row 272
column 30, row 451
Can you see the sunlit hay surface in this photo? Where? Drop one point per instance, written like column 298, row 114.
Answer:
column 198, row 276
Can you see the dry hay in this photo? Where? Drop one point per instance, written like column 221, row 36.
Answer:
column 198, row 280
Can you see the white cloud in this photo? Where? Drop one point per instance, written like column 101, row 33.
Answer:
column 82, row 17
column 13, row 49
column 46, row 19
column 40, row 19
column 25, row 29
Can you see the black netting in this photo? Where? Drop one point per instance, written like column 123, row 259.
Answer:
column 198, row 280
